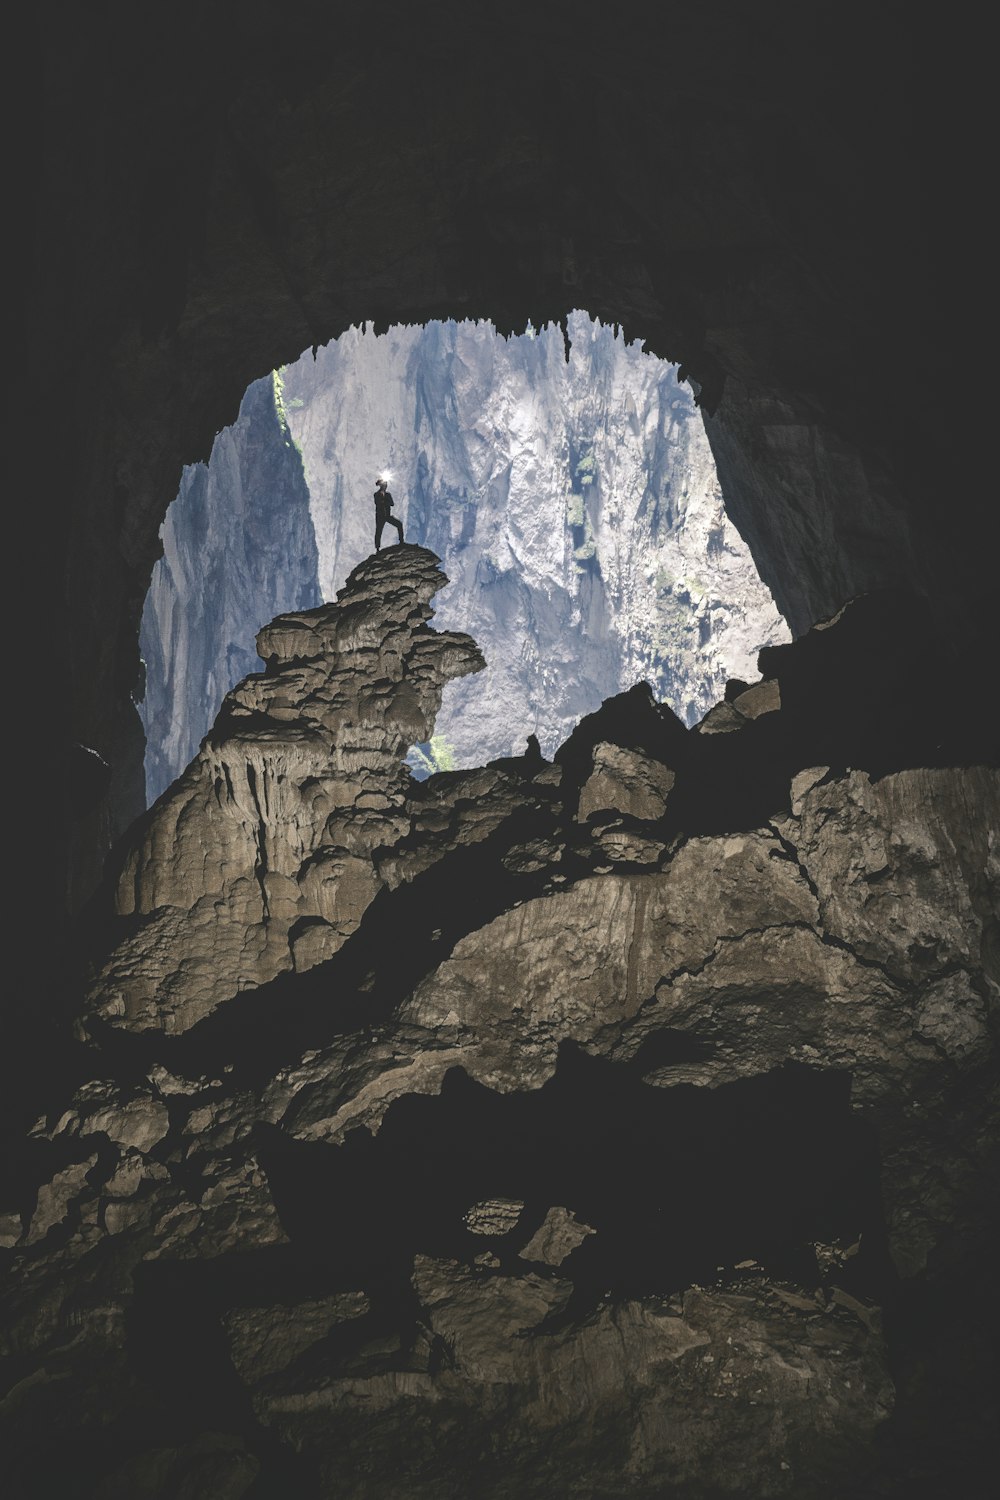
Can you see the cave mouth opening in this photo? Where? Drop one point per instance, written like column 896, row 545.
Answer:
column 563, row 476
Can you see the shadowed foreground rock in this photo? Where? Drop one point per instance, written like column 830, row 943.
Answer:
column 617, row 1126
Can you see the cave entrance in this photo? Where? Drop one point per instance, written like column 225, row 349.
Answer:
column 564, row 478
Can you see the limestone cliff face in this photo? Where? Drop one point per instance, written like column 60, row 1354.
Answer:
column 238, row 548
column 574, row 503
column 598, row 1113
column 258, row 859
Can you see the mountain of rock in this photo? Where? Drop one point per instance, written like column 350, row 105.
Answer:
column 259, row 858
column 557, row 1127
column 573, row 501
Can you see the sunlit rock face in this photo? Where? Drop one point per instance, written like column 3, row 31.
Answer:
column 585, row 1121
column 574, row 504
column 238, row 548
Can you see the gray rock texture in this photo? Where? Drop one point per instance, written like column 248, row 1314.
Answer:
column 581, row 1155
column 625, row 781
column 238, row 548
column 259, row 858
column 566, row 481
column 559, row 1235
column 574, row 503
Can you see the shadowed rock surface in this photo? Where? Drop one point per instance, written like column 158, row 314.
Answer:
column 628, row 1127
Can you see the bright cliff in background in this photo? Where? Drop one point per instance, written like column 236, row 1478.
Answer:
column 574, row 503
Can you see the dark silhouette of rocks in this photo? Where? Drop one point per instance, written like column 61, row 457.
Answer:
column 566, row 1120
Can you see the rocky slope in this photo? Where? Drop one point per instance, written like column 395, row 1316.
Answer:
column 574, row 503
column 259, row 858
column 624, row 1127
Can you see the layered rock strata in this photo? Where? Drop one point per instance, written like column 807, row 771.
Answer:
column 259, row 858
column 627, row 1137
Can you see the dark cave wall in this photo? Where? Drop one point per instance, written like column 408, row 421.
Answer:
column 742, row 187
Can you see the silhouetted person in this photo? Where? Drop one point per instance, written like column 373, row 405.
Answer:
column 383, row 505
column 527, row 765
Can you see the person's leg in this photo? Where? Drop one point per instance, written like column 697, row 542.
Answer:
column 398, row 525
column 379, row 523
